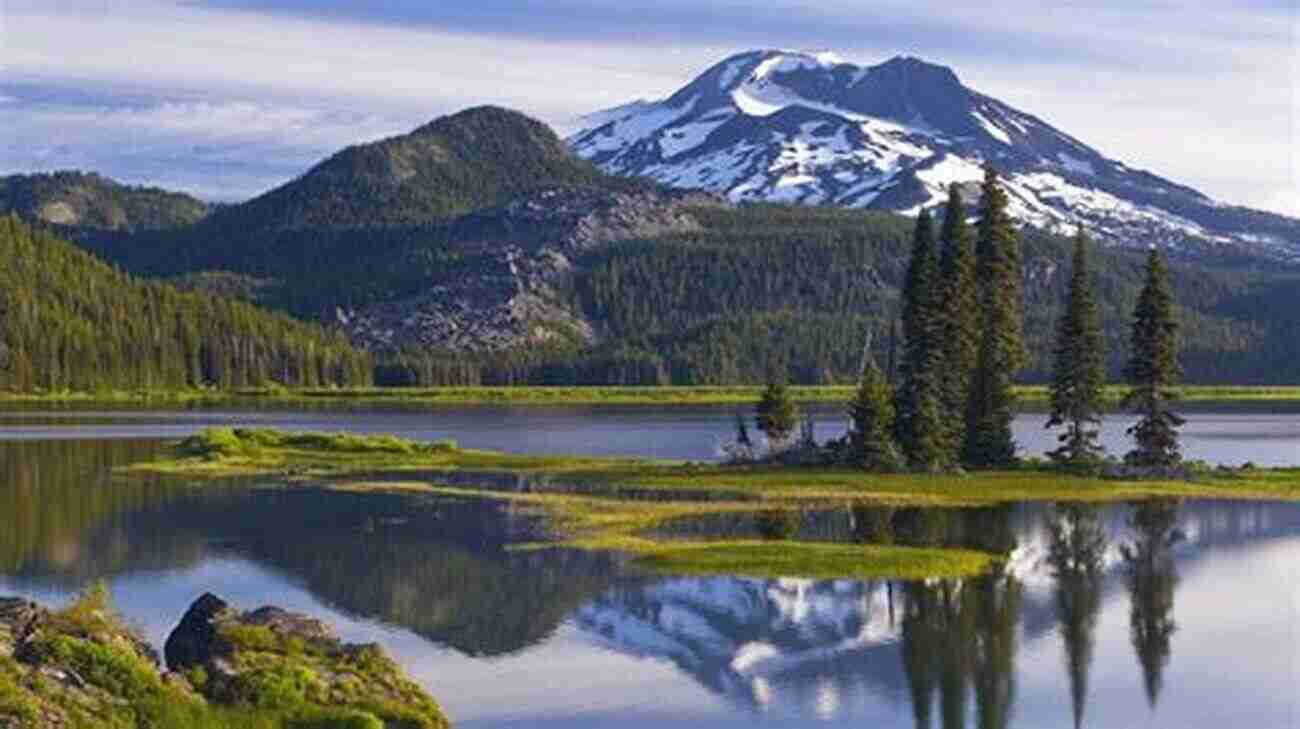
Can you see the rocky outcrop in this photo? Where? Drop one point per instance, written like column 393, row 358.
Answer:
column 82, row 666
column 516, row 257
column 201, row 639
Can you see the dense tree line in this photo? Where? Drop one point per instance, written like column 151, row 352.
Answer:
column 801, row 267
column 800, row 288
column 68, row 321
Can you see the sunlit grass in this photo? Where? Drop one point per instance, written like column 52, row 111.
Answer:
column 619, row 525
column 228, row 452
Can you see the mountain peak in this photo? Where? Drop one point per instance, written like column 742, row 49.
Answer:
column 473, row 159
column 794, row 126
column 916, row 70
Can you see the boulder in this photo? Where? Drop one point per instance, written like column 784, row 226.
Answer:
column 194, row 642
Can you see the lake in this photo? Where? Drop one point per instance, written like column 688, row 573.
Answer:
column 1161, row 615
column 1266, row 435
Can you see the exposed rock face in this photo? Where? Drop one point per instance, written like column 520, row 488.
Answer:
column 515, row 258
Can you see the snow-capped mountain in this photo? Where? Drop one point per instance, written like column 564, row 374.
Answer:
column 781, row 126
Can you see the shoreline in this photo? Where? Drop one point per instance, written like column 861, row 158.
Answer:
column 616, row 505
column 1031, row 395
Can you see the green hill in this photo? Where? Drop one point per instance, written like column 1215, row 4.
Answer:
column 456, row 164
column 87, row 201
column 69, row 321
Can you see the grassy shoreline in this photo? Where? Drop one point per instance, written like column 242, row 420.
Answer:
column 231, row 452
column 593, row 395
column 612, row 504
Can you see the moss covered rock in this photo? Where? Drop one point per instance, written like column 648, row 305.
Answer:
column 269, row 669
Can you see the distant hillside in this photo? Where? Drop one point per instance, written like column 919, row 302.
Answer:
column 68, row 321
column 86, row 200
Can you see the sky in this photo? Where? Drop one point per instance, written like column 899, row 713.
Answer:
column 228, row 98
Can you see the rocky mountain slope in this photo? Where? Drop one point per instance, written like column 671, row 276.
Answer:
column 513, row 260
column 780, row 126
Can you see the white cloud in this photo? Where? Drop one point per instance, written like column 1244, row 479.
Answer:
column 1195, row 95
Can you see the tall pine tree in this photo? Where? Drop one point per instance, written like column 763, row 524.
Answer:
column 920, row 424
column 959, row 319
column 991, row 405
column 776, row 415
column 871, row 412
column 1152, row 370
column 1079, row 371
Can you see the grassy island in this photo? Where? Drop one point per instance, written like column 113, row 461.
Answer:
column 595, row 503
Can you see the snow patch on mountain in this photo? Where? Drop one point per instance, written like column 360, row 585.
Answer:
column 811, row 128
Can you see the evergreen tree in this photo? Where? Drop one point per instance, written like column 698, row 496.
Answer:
column 991, row 406
column 1078, row 373
column 776, row 414
column 919, row 423
column 1153, row 369
column 872, row 414
column 959, row 316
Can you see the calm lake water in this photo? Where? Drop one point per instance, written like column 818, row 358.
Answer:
column 1165, row 615
column 1266, row 436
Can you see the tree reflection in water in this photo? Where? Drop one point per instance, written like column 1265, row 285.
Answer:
column 960, row 636
column 1076, row 555
column 1151, row 577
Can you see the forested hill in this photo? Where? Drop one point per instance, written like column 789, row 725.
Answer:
column 455, row 164
column 472, row 160
column 784, row 291
column 85, row 200
column 68, row 321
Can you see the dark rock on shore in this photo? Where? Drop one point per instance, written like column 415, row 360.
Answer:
column 81, row 666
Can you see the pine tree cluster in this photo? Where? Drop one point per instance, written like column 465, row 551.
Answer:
column 962, row 322
column 963, row 340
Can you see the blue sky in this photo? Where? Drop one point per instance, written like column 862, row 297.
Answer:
column 226, row 98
